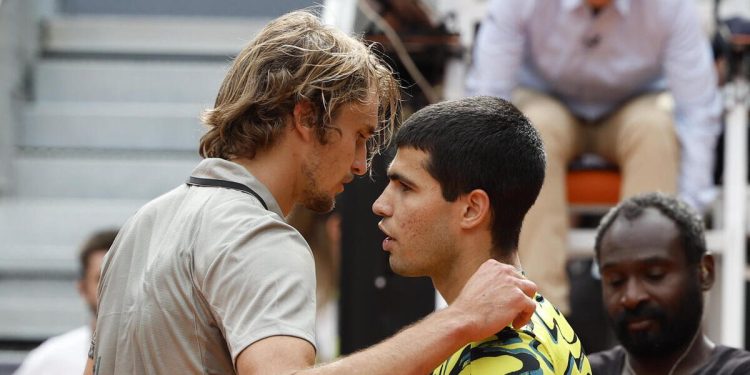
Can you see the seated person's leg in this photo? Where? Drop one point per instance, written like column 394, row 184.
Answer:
column 641, row 138
column 543, row 243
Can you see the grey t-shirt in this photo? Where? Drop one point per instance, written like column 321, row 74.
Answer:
column 724, row 360
column 199, row 274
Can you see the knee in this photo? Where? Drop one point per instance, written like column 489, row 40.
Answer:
column 654, row 127
column 553, row 125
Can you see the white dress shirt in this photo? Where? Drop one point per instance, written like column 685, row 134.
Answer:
column 60, row 355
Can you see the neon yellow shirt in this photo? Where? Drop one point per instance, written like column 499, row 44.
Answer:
column 547, row 345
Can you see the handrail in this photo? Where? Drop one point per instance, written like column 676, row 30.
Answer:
column 5, row 105
column 18, row 46
column 737, row 96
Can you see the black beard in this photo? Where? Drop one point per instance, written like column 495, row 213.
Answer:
column 673, row 332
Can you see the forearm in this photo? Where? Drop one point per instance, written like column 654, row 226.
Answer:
column 696, row 166
column 692, row 81
column 89, row 369
column 418, row 349
column 698, row 129
column 498, row 51
column 495, row 296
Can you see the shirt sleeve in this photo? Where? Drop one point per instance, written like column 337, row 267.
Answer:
column 692, row 81
column 498, row 49
column 261, row 282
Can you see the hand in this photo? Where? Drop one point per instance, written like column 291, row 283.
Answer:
column 496, row 295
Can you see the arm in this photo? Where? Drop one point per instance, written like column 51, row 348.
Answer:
column 498, row 50
column 89, row 369
column 692, row 81
column 494, row 297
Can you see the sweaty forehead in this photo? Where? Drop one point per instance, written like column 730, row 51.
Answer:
column 648, row 236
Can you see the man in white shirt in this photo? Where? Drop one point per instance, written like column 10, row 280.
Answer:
column 590, row 75
column 66, row 353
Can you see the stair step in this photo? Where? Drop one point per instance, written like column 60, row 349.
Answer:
column 37, row 309
column 39, row 261
column 81, row 174
column 102, row 125
column 38, row 228
column 128, row 81
column 194, row 36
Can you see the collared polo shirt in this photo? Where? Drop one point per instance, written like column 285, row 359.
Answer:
column 199, row 274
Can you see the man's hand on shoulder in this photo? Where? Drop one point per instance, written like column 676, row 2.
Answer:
column 495, row 296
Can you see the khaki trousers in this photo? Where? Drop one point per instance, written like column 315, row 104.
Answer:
column 639, row 137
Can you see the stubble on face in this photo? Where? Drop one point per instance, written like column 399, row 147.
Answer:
column 313, row 197
column 427, row 249
column 674, row 331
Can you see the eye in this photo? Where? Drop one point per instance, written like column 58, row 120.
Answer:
column 362, row 139
column 613, row 280
column 364, row 136
column 616, row 283
column 404, row 187
column 655, row 273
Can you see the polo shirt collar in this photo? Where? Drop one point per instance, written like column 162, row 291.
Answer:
column 221, row 169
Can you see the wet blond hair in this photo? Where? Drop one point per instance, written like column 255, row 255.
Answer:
column 297, row 58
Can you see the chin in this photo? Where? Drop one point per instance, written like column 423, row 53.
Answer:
column 403, row 271
column 320, row 204
column 395, row 267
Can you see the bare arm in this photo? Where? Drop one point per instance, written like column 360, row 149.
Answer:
column 89, row 369
column 692, row 82
column 498, row 49
column 493, row 298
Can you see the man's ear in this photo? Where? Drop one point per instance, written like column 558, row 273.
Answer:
column 706, row 273
column 476, row 210
column 302, row 119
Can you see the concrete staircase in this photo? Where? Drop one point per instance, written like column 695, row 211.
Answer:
column 110, row 121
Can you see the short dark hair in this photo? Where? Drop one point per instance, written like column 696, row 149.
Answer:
column 481, row 143
column 688, row 222
column 99, row 241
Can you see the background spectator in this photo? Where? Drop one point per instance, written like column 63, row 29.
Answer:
column 588, row 73
column 67, row 353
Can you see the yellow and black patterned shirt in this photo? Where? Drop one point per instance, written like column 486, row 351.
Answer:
column 547, row 345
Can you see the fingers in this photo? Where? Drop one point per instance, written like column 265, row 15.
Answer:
column 495, row 296
column 527, row 311
column 526, row 305
column 527, row 287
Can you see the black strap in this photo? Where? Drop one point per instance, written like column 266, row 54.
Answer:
column 196, row 181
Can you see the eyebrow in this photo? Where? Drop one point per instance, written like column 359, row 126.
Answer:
column 395, row 176
column 648, row 261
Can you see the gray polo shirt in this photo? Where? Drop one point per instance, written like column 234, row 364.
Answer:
column 199, row 274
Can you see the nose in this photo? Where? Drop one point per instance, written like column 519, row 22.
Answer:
column 381, row 207
column 633, row 295
column 359, row 166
